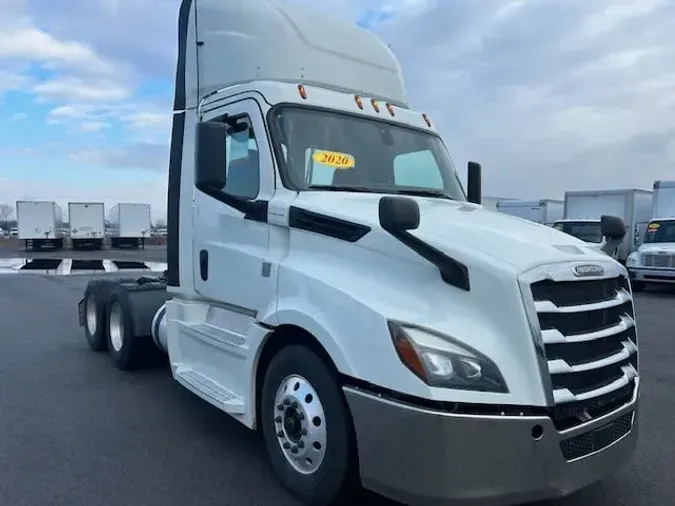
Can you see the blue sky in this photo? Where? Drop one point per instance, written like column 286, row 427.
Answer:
column 549, row 96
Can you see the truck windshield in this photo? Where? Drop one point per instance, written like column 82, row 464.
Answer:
column 587, row 231
column 660, row 231
column 324, row 150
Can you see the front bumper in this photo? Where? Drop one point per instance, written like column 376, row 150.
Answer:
column 424, row 457
column 649, row 275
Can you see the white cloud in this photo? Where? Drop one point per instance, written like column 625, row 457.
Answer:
column 29, row 43
column 550, row 96
column 78, row 89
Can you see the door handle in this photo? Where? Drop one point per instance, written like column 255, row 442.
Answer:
column 204, row 264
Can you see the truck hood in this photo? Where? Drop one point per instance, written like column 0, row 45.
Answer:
column 462, row 229
column 656, row 247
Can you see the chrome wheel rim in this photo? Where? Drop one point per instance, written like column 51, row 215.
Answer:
column 116, row 327
column 300, row 424
column 92, row 322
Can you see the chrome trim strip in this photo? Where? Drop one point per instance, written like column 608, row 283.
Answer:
column 563, row 395
column 554, row 336
column 546, row 306
column 560, row 366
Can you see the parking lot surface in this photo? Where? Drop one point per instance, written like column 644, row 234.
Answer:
column 75, row 431
column 151, row 253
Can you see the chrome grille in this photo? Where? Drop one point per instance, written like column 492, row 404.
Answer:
column 658, row 260
column 590, row 345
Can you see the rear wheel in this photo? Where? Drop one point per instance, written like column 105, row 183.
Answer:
column 95, row 298
column 127, row 350
column 307, row 429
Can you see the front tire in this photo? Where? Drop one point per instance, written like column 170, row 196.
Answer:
column 308, row 429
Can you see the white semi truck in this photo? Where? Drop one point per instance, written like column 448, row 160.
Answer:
column 654, row 260
column 129, row 225
column 584, row 208
column 379, row 330
column 40, row 224
column 544, row 211
column 87, row 224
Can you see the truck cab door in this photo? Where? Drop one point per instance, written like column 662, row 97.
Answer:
column 231, row 240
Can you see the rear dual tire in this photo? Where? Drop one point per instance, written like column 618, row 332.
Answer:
column 95, row 316
column 308, row 430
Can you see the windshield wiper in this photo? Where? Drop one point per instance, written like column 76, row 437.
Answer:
column 422, row 192
column 416, row 192
column 330, row 187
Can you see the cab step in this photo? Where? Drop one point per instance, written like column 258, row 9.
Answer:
column 210, row 391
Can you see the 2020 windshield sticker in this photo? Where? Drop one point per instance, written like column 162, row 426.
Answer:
column 334, row 159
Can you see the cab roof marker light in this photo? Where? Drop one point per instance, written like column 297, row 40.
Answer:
column 358, row 101
column 427, row 120
column 375, row 105
column 390, row 108
column 302, row 91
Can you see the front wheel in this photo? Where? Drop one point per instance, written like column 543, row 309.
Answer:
column 307, row 429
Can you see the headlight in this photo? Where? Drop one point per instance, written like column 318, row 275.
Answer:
column 632, row 259
column 440, row 361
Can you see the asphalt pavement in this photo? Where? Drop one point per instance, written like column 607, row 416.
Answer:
column 75, row 431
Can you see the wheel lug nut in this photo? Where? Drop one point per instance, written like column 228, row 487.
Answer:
column 287, row 445
column 301, row 416
column 278, row 419
column 280, row 434
column 294, row 449
column 294, row 404
column 301, row 444
column 280, row 407
column 287, row 401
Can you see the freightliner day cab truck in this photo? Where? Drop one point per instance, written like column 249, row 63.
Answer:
column 654, row 260
column 545, row 211
column 330, row 285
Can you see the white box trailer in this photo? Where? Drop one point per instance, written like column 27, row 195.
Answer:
column 654, row 260
column 663, row 204
column 583, row 209
column 491, row 203
column 86, row 221
column 130, row 224
column 544, row 211
column 40, row 224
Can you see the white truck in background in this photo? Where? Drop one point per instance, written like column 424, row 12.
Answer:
column 544, row 211
column 330, row 284
column 40, row 224
column 584, row 208
column 86, row 221
column 129, row 225
column 654, row 260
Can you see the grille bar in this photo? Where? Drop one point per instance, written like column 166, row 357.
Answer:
column 655, row 260
column 590, row 344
